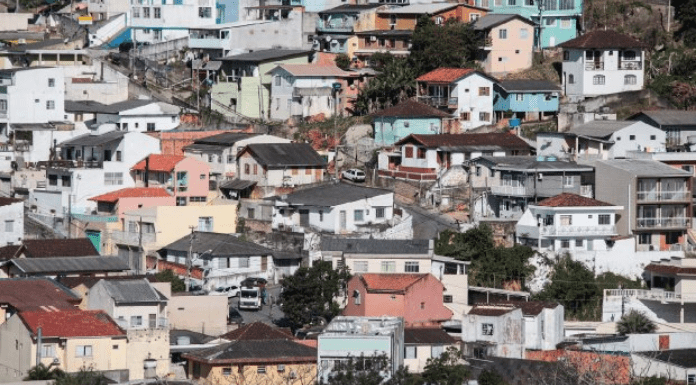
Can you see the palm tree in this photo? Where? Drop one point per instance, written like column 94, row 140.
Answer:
column 635, row 322
column 43, row 372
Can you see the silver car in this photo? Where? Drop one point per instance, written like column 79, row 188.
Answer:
column 354, row 175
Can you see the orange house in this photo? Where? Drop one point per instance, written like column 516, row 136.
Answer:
column 416, row 297
column 405, row 18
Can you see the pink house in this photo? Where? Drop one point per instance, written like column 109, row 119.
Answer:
column 185, row 178
column 119, row 201
column 416, row 297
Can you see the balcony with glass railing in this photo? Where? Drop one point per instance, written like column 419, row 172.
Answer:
column 662, row 195
column 660, row 295
column 657, row 222
column 572, row 231
column 515, row 191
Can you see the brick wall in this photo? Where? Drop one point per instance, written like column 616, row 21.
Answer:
column 603, row 368
column 173, row 143
column 177, row 268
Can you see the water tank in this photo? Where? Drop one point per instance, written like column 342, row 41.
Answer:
column 183, row 340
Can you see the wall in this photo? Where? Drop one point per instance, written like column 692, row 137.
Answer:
column 14, row 213
column 204, row 314
column 107, row 354
column 647, row 138
column 16, row 354
column 172, row 143
column 148, row 344
column 15, row 21
column 515, row 51
column 602, row 368
column 277, row 177
column 389, row 130
column 508, row 333
column 305, row 373
column 198, row 174
column 31, row 88
column 268, row 35
column 248, row 99
column 470, row 101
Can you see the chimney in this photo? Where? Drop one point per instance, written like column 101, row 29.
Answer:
column 147, row 172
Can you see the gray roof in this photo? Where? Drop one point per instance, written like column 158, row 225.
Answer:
column 94, row 140
column 132, row 291
column 221, row 245
column 685, row 358
column 279, row 155
column 84, row 106
column 670, row 117
column 493, row 20
column 237, row 184
column 266, row 351
column 387, row 32
column 332, row 194
column 601, row 128
column 376, row 246
column 266, row 55
column 420, row 9
column 201, row 147
column 525, row 85
column 69, row 265
column 530, row 163
column 350, row 8
column 224, row 139
column 126, row 105
column 195, row 337
column 645, row 167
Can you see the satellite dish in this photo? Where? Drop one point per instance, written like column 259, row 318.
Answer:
column 328, row 38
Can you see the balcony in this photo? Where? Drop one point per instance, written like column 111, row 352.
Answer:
column 630, row 65
column 513, row 191
column 661, row 196
column 159, row 323
column 656, row 223
column 335, row 25
column 487, row 44
column 650, row 295
column 70, row 164
column 208, row 43
column 132, row 238
column 570, row 231
column 594, row 66
column 440, row 101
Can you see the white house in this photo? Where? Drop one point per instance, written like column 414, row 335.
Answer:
column 602, row 63
column 336, row 208
column 168, row 20
column 463, row 92
column 139, row 115
column 11, row 222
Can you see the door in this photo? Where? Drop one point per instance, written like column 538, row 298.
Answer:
column 342, row 220
column 304, row 218
column 598, row 60
column 552, row 41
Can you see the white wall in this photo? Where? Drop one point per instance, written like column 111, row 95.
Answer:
column 28, row 96
column 614, row 78
column 164, row 116
column 647, row 138
column 174, row 21
column 12, row 215
column 470, row 101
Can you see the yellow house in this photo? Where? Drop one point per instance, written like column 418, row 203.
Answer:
column 70, row 340
column 257, row 354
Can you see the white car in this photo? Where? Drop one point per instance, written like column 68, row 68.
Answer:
column 229, row 291
column 354, row 175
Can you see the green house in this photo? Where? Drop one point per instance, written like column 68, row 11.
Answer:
column 410, row 117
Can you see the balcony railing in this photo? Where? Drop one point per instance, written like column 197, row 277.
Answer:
column 630, row 65
column 132, row 238
column 70, row 164
column 680, row 222
column 594, row 66
column 517, row 191
column 159, row 323
column 654, row 196
column 578, row 230
column 440, row 101
column 335, row 26
column 652, row 295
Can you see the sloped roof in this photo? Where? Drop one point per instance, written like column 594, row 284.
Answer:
column 217, row 245
column 529, row 85
column 88, row 106
column 224, row 139
column 496, row 139
column 411, row 109
column 8, row 201
column 315, row 70
column 332, row 194
column 492, row 20
column 571, row 200
column 132, row 291
column 646, row 168
column 67, row 265
column 529, row 308
column 670, row 269
column 265, row 55
column 284, row 154
column 419, row 9
column 523, row 163
column 35, row 293
column 73, row 282
column 258, row 331
column 9, row 252
column 603, row 39
column 95, row 139
column 389, row 283
column 350, row 8
column 376, row 246
column 685, row 358
column 490, row 310
column 250, row 352
column 72, row 323
column 195, row 337
column 670, row 117
column 601, row 128
column 44, row 248
column 159, row 162
column 427, row 336
column 131, row 192
column 445, row 75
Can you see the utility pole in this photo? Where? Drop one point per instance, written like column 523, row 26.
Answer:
column 141, row 252
column 189, row 261
column 69, row 216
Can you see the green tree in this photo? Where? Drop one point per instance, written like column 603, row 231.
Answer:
column 491, row 377
column 635, row 322
column 394, row 84
column 168, row 275
column 448, row 369
column 342, row 61
column 83, row 377
column 453, row 44
column 368, row 371
column 311, row 291
column 43, row 372
column 686, row 14
column 573, row 285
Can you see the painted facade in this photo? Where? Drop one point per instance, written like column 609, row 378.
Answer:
column 527, row 105
column 12, row 222
column 187, row 181
column 508, row 46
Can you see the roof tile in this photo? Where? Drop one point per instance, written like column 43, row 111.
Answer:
column 502, row 139
column 445, row 75
column 412, row 109
column 603, row 39
column 33, row 293
column 257, row 331
column 390, row 282
column 71, row 323
column 571, row 200
column 159, row 162
column 47, row 248
column 131, row 192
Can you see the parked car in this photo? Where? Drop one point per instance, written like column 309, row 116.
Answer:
column 253, row 281
column 233, row 317
column 230, row 291
column 354, row 175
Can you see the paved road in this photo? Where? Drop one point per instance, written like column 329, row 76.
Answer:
column 267, row 314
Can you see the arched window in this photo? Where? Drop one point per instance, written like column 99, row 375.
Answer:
column 630, row 80
column 598, row 80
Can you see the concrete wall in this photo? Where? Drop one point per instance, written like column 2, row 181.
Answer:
column 513, row 53
column 15, row 21
column 614, row 78
column 277, row 177
column 16, row 353
column 204, row 314
column 12, row 218
column 29, row 96
column 507, row 337
column 467, row 90
column 304, row 374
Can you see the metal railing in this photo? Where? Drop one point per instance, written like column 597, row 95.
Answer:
column 679, row 195
column 630, row 65
column 662, row 222
column 578, row 230
column 651, row 294
column 594, row 66
column 510, row 190
column 439, row 101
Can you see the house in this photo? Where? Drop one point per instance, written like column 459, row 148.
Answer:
column 169, row 21
column 677, row 124
column 425, row 157
column 497, row 331
column 505, row 186
column 406, row 17
column 675, row 364
column 396, row 42
column 409, row 117
column 243, row 75
column 220, row 151
column 25, row 294
column 83, row 284
column 465, row 93
column 68, row 340
column 12, row 214
column 508, row 43
column 51, row 248
column 336, row 27
column 187, row 179
column 656, row 200
column 362, row 337
column 336, row 208
column 424, row 343
column 141, row 310
column 280, row 164
column 256, row 353
column 607, row 139
column 227, row 259
column 527, row 100
column 184, row 340
column 601, row 63
column 415, row 297
column 107, row 9
column 139, row 115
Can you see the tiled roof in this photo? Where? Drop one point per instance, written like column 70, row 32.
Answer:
column 315, row 70
column 490, row 310
column 159, row 162
column 389, row 282
column 412, row 109
column 376, row 246
column 603, row 39
column 258, row 331
column 33, row 293
column 529, row 85
column 71, row 323
column 499, row 139
column 669, row 269
column 427, row 336
column 131, row 192
column 73, row 282
column 263, row 352
column 445, row 75
column 9, row 252
column 571, row 200
column 46, row 248
column 8, row 201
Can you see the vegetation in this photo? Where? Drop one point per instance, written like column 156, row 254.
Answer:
column 448, row 369
column 83, row 377
column 310, row 293
column 43, row 372
column 342, row 61
column 490, row 377
column 178, row 284
column 573, row 285
column 686, row 14
column 635, row 322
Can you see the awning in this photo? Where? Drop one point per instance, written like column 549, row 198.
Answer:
column 314, row 91
column 238, row 184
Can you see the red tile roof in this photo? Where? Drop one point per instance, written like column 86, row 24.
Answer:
column 43, row 248
column 258, row 331
column 8, row 201
column 132, row 192
column 390, row 282
column 33, row 293
column 445, row 75
column 490, row 310
column 9, row 252
column 501, row 139
column 669, row 269
column 159, row 162
column 603, row 39
column 412, row 109
column 571, row 200
column 71, row 323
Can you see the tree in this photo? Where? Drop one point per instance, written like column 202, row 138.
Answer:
column 342, row 61
column 448, row 369
column 686, row 14
column 491, row 377
column 574, row 286
column 310, row 292
column 635, row 322
column 452, row 44
column 86, row 376
column 395, row 83
column 43, row 372
column 168, row 275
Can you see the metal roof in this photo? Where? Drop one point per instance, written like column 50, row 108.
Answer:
column 530, row 163
column 529, row 85
column 132, row 291
column 420, row 9
column 685, row 358
column 237, row 184
column 376, row 246
column 644, row 167
column 212, row 245
column 84, row 106
column 332, row 194
column 601, row 128
column 95, row 140
column 279, row 155
column 266, row 55
column 224, row 139
column 350, row 8
column 69, row 264
column 670, row 117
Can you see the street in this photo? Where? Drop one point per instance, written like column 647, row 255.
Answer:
column 267, row 314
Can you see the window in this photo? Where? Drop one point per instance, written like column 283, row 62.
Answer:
column 436, row 351
column 356, row 297
column 422, row 305
column 447, row 298
column 146, row 12
column 439, row 20
column 465, row 116
column 388, row 266
column 512, row 2
column 205, row 224
column 478, row 170
column 644, row 239
column 281, row 368
column 566, row 220
column 136, row 12
column 487, row 329
column 136, row 320
column 421, row 153
column 484, row 116
column 83, row 351
column 550, row 5
column 295, row 171
column 691, row 379
column 65, row 180
column 604, row 219
column 9, row 226
column 358, row 215
column 50, row 105
column 409, row 152
column 629, row 55
column 277, row 81
column 261, row 369
column 247, row 169
column 524, row 33
column 113, row 178
column 360, row 266
column 631, row 137
column 550, row 21
column 411, row 267
column 151, row 126
column 566, row 23
column 568, row 181
column 158, row 12
column 566, row 4
column 51, row 82
column 256, row 169
column 379, row 212
column 3, row 105
column 630, row 80
column 181, row 201
column 48, row 350
column 118, row 156
column 197, row 199
column 410, row 352
column 578, row 243
column 205, row 12
column 484, row 91
column 571, row 79
column 653, row 137
column 566, row 55
column 502, row 33
column 598, row 80
column 251, row 213
column 474, row 17
column 519, row 97
column 565, row 244
column 226, row 371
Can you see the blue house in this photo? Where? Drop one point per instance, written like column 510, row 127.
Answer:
column 526, row 99
column 557, row 20
column 410, row 117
